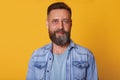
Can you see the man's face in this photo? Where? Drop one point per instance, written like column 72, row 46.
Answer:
column 59, row 26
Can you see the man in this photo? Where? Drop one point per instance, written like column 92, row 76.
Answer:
column 62, row 59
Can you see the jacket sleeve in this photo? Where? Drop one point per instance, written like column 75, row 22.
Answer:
column 92, row 73
column 31, row 71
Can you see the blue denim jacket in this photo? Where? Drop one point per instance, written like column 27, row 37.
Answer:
column 80, row 64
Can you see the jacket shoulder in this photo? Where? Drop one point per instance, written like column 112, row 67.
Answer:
column 82, row 50
column 82, row 53
column 42, row 51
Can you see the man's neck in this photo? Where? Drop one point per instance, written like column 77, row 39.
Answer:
column 59, row 49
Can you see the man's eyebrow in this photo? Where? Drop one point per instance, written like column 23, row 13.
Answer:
column 66, row 19
column 55, row 19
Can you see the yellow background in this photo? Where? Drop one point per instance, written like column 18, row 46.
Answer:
column 96, row 25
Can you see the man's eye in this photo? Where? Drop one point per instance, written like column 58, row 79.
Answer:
column 66, row 21
column 55, row 21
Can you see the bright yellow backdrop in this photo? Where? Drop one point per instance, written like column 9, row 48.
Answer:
column 96, row 25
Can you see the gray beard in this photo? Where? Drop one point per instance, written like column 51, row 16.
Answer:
column 61, row 40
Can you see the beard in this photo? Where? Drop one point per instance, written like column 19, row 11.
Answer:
column 60, row 40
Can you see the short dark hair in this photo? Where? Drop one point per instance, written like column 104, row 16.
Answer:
column 58, row 5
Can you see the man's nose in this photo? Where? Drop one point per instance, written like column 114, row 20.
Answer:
column 61, row 25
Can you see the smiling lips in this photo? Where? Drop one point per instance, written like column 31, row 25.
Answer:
column 60, row 32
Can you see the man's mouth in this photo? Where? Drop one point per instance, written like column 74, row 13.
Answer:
column 60, row 33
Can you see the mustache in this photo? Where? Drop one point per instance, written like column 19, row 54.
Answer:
column 60, row 30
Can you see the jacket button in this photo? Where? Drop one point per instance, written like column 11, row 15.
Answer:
column 47, row 70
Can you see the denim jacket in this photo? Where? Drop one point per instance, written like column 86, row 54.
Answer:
column 80, row 64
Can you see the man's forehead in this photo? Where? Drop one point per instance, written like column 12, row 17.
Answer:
column 58, row 11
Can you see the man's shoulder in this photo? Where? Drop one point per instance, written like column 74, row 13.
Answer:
column 82, row 50
column 42, row 51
